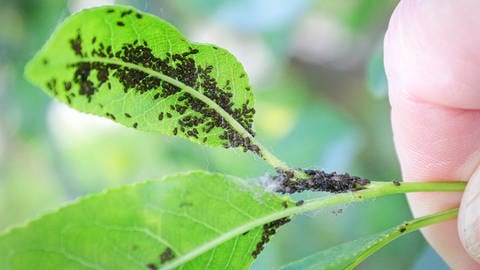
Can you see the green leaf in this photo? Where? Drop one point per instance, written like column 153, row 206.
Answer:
column 337, row 257
column 141, row 72
column 351, row 254
column 197, row 221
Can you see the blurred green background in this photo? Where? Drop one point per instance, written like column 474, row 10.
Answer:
column 317, row 70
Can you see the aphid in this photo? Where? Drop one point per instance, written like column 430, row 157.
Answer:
column 160, row 116
column 124, row 13
column 152, row 266
column 128, row 115
column 119, row 23
column 68, row 85
column 299, row 203
column 396, row 183
column 135, row 125
column 166, row 255
column 269, row 229
column 110, row 115
column 175, row 130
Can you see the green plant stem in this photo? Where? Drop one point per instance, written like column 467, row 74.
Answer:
column 406, row 227
column 375, row 189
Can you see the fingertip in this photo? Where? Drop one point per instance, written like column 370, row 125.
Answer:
column 435, row 104
column 431, row 51
column 432, row 62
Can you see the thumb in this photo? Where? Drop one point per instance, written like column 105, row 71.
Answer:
column 469, row 217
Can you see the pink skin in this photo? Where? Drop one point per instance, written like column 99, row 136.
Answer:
column 432, row 60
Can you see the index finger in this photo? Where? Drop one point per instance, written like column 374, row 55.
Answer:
column 432, row 60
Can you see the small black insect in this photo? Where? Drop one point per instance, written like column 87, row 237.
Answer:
column 119, row 23
column 152, row 266
column 124, row 13
column 299, row 203
column 110, row 115
column 68, row 85
column 166, row 255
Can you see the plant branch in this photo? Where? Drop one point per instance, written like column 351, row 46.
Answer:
column 402, row 229
column 375, row 189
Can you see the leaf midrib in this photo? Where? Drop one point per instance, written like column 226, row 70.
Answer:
column 263, row 152
column 183, row 87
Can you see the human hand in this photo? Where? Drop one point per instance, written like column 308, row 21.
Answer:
column 432, row 61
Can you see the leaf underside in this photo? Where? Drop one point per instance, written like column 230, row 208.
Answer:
column 347, row 255
column 188, row 221
column 140, row 71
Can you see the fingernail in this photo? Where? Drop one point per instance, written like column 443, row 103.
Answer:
column 469, row 217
